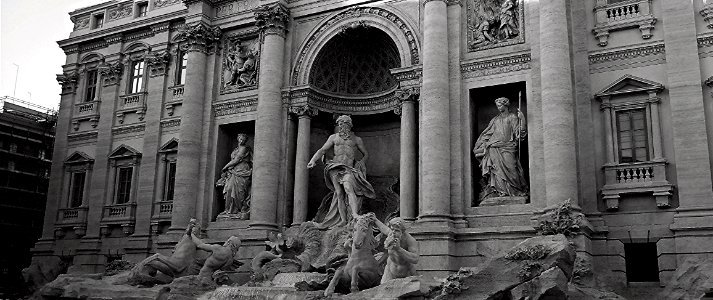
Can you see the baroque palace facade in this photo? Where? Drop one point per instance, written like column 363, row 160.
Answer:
column 616, row 96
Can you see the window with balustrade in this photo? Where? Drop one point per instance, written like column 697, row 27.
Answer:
column 78, row 168
column 616, row 15
column 165, row 188
column 124, row 162
column 76, row 189
column 635, row 162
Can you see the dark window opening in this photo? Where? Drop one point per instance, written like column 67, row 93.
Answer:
column 124, row 191
column 91, row 91
column 641, row 262
column 170, row 180
column 632, row 136
column 98, row 21
column 142, row 9
column 77, row 189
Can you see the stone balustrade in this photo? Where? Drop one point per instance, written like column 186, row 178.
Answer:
column 176, row 99
column 640, row 177
column 163, row 210
column 622, row 15
column 123, row 215
column 86, row 109
column 131, row 103
column 71, row 218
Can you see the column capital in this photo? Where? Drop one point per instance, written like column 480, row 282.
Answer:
column 272, row 18
column 304, row 111
column 408, row 94
column 158, row 63
column 199, row 36
column 68, row 81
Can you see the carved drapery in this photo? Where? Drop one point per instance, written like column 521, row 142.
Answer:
column 158, row 63
column 272, row 19
column 362, row 16
column 495, row 23
column 68, row 81
column 111, row 73
column 198, row 37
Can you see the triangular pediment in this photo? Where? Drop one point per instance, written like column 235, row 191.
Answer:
column 630, row 84
column 170, row 146
column 78, row 157
column 124, row 151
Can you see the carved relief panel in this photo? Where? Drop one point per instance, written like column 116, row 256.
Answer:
column 241, row 57
column 494, row 23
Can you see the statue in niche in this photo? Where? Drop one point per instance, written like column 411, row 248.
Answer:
column 497, row 149
column 343, row 175
column 236, row 181
column 240, row 68
column 493, row 22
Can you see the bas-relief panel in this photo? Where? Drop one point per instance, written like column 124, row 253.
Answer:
column 494, row 23
column 240, row 64
column 235, row 7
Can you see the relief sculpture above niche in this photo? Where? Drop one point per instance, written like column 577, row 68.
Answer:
column 240, row 64
column 495, row 23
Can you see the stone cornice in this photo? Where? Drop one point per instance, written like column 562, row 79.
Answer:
column 67, row 43
column 647, row 50
column 234, row 107
column 199, row 36
column 272, row 18
column 83, row 136
column 128, row 129
column 496, row 66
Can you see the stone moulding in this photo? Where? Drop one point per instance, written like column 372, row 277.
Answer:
column 496, row 66
column 648, row 50
column 341, row 104
column 168, row 123
column 705, row 41
column 234, row 107
column 371, row 16
column 83, row 136
column 128, row 129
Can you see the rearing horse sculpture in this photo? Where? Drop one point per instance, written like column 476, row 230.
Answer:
column 361, row 270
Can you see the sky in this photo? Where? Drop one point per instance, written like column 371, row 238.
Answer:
column 29, row 31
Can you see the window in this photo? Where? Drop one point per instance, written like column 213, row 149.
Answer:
column 632, row 135
column 641, row 262
column 137, row 76
column 98, row 21
column 170, row 180
column 123, row 193
column 181, row 74
column 13, row 147
column 77, row 189
column 91, row 90
column 141, row 9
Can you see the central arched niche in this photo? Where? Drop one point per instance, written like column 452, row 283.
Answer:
column 354, row 66
column 356, row 62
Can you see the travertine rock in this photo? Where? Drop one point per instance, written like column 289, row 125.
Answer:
column 578, row 292
column 692, row 280
column 92, row 287
column 40, row 273
column 542, row 265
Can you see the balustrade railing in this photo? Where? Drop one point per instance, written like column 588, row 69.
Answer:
column 120, row 211
column 622, row 15
column 640, row 177
column 74, row 215
column 177, row 92
column 86, row 109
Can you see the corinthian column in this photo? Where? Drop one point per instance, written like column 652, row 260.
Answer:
column 557, row 103
column 408, row 167
column 434, row 134
column 196, row 40
column 271, row 19
column 305, row 114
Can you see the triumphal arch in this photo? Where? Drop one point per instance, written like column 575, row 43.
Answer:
column 468, row 119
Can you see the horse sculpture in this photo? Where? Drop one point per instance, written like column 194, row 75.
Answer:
column 361, row 270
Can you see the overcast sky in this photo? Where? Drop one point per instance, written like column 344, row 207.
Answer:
column 29, row 31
